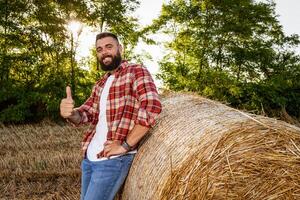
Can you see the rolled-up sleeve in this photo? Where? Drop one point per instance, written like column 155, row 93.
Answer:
column 150, row 105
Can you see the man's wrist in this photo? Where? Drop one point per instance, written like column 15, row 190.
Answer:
column 126, row 146
column 75, row 117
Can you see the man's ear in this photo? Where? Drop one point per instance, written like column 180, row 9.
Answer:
column 121, row 49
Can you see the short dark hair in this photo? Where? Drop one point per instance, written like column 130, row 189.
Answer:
column 106, row 34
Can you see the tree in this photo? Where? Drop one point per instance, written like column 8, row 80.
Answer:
column 35, row 57
column 233, row 51
column 34, row 60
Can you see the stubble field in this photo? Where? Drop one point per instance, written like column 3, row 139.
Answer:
column 40, row 161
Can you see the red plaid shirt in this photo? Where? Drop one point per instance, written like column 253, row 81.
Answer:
column 132, row 99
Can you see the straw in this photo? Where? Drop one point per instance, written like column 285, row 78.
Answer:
column 216, row 152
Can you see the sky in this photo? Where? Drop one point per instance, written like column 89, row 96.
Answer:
column 287, row 11
column 289, row 15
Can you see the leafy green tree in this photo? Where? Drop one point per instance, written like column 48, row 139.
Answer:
column 35, row 53
column 34, row 58
column 234, row 51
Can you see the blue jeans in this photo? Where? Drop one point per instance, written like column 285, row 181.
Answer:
column 101, row 180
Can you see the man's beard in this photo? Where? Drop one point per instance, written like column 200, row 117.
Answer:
column 115, row 62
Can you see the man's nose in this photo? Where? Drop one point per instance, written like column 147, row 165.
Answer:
column 104, row 52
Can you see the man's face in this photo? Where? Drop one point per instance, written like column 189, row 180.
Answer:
column 108, row 53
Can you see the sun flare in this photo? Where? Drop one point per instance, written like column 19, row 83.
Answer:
column 75, row 27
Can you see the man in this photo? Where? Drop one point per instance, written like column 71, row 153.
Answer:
column 121, row 109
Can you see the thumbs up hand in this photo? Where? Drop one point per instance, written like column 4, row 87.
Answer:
column 67, row 105
column 69, row 93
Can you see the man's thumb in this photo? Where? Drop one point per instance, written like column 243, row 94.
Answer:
column 69, row 93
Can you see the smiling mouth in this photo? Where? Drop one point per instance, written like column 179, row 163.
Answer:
column 106, row 59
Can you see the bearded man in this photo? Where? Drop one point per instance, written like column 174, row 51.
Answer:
column 122, row 107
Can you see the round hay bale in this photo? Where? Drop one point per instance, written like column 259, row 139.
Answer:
column 202, row 149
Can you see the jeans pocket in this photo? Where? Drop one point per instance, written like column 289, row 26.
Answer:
column 127, row 159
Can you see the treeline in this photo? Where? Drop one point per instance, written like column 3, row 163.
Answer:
column 36, row 58
column 234, row 51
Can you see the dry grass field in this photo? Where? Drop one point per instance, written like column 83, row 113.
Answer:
column 40, row 161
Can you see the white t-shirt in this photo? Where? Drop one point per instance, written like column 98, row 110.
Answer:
column 100, row 137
